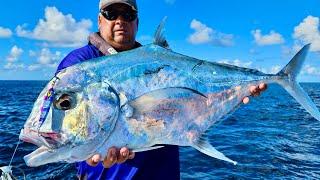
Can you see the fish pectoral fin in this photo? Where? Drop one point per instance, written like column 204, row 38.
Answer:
column 206, row 148
column 146, row 148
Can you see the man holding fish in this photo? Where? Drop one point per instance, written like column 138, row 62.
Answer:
column 118, row 24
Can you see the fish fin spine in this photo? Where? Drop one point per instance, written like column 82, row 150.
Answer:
column 159, row 38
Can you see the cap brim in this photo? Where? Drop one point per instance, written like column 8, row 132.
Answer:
column 109, row 4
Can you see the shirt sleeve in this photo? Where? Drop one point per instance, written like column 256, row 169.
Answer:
column 79, row 55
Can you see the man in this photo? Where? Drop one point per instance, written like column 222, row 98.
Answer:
column 118, row 25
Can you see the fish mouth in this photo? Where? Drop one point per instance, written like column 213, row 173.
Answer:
column 50, row 140
column 34, row 159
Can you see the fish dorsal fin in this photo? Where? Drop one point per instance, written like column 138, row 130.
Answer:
column 205, row 147
column 159, row 38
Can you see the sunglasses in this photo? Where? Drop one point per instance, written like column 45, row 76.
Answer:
column 113, row 15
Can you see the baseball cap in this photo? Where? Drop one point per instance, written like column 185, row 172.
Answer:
column 105, row 3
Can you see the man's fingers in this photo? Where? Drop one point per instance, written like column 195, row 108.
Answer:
column 123, row 155
column 94, row 160
column 253, row 89
column 256, row 90
column 263, row 86
column 131, row 155
column 245, row 100
column 111, row 158
column 256, row 94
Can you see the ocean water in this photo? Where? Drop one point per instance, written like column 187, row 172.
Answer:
column 271, row 138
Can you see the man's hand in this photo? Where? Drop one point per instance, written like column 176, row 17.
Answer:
column 255, row 91
column 114, row 156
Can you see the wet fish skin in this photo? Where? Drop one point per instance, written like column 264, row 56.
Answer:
column 144, row 97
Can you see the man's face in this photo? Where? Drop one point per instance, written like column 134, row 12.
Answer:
column 119, row 33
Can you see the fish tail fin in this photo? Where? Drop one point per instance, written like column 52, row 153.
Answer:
column 287, row 79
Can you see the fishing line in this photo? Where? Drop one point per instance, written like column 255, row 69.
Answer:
column 14, row 153
column 7, row 170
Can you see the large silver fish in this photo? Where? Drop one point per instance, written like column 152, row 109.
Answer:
column 141, row 98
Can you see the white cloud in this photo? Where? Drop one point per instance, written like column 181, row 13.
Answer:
column 5, row 32
column 13, row 66
column 308, row 32
column 287, row 51
column 267, row 39
column 296, row 47
column 34, row 67
column 12, row 59
column 58, row 29
column 275, row 69
column 46, row 57
column 248, row 64
column 269, row 70
column 236, row 62
column 14, row 54
column 310, row 70
column 204, row 34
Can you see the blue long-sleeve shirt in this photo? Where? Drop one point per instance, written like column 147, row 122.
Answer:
column 156, row 164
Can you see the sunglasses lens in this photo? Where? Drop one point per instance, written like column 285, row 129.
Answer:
column 113, row 15
column 129, row 16
column 110, row 15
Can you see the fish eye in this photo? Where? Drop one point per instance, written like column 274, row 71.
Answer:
column 64, row 102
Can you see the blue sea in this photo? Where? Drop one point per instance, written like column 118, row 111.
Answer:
column 272, row 137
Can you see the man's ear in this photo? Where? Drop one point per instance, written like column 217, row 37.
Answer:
column 99, row 20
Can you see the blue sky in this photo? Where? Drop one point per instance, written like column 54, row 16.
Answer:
column 35, row 35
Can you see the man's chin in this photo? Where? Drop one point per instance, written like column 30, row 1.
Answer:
column 123, row 44
column 121, row 39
